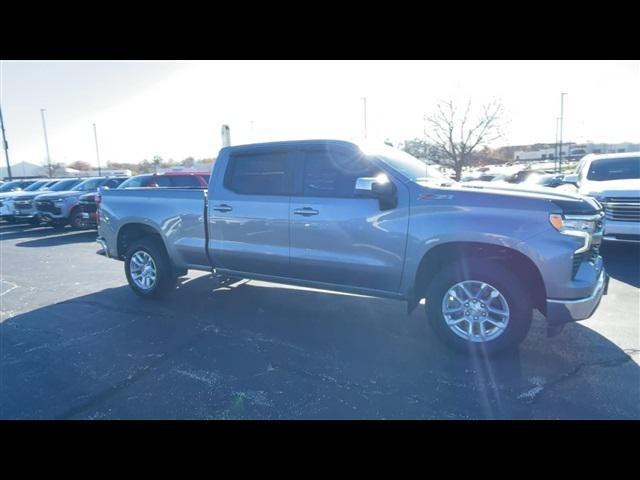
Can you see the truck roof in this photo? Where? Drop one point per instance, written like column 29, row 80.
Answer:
column 600, row 156
column 292, row 143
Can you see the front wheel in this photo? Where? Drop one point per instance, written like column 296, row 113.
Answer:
column 148, row 268
column 476, row 305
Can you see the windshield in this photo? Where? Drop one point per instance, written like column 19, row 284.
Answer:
column 37, row 185
column 65, row 185
column 7, row 187
column 133, row 182
column 410, row 166
column 88, row 185
column 614, row 169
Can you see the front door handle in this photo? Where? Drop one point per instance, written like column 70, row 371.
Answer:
column 222, row 208
column 306, row 211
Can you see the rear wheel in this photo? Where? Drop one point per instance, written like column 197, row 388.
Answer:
column 76, row 221
column 479, row 305
column 148, row 268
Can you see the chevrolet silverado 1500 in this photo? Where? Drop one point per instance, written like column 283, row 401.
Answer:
column 369, row 220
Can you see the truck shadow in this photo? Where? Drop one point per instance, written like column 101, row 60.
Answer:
column 622, row 261
column 261, row 350
column 61, row 238
column 42, row 233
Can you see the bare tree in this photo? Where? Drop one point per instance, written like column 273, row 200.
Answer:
column 456, row 134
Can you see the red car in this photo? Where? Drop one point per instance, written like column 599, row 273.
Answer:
column 89, row 203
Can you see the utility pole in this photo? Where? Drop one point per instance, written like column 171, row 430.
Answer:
column 561, row 121
column 95, row 135
column 555, row 156
column 46, row 141
column 364, row 100
column 5, row 146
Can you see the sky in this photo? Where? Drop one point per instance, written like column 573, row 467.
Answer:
column 175, row 109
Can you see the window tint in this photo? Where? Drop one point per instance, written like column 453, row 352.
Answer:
column 261, row 174
column 184, row 181
column 113, row 183
column 138, row 181
column 333, row 174
column 614, row 169
column 160, row 181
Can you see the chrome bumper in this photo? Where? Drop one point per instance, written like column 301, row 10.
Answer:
column 563, row 311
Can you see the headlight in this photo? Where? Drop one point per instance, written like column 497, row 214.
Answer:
column 582, row 226
column 59, row 201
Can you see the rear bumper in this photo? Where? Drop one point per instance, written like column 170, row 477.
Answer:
column 103, row 248
column 564, row 311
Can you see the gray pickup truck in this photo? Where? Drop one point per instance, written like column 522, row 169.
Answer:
column 369, row 220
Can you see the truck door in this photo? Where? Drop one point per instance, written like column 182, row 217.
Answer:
column 249, row 212
column 338, row 237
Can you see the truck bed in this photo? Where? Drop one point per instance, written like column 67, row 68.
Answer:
column 178, row 213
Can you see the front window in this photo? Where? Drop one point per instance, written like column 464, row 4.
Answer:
column 88, row 185
column 409, row 166
column 614, row 169
column 8, row 187
column 136, row 182
column 65, row 185
column 36, row 186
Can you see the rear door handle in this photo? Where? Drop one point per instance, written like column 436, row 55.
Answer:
column 222, row 208
column 306, row 211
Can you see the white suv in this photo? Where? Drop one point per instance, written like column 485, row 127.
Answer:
column 614, row 180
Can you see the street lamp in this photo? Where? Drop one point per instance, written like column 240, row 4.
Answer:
column 95, row 135
column 561, row 121
column 46, row 141
column 6, row 146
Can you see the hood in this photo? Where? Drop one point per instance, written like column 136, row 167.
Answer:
column 26, row 195
column 521, row 190
column 507, row 195
column 62, row 194
column 628, row 187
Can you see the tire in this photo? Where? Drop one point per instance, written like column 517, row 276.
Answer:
column 165, row 275
column 75, row 220
column 486, row 338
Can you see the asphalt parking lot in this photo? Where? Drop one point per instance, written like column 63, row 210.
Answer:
column 76, row 343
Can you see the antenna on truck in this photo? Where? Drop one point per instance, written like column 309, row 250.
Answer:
column 226, row 136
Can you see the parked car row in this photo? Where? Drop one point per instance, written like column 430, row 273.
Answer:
column 73, row 201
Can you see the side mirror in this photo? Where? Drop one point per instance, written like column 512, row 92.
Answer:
column 379, row 187
column 571, row 178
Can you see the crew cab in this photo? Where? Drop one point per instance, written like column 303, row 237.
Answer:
column 614, row 180
column 365, row 219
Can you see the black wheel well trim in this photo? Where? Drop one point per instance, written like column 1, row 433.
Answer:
column 439, row 256
column 132, row 231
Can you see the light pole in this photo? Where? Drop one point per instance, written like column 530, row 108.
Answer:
column 555, row 156
column 95, row 135
column 5, row 146
column 561, row 121
column 46, row 141
column 364, row 100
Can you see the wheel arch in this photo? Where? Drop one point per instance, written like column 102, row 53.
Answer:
column 444, row 254
column 130, row 232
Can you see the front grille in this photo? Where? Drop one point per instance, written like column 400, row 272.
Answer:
column 622, row 209
column 23, row 204
column 47, row 206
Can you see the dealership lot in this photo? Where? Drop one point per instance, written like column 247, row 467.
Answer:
column 75, row 342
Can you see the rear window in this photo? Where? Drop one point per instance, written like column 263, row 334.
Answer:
column 261, row 174
column 183, row 180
